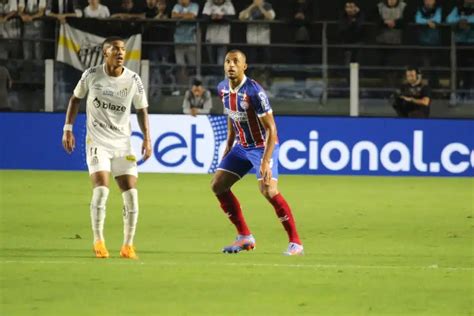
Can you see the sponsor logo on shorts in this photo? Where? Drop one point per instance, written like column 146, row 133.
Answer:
column 94, row 161
column 96, row 123
column 131, row 158
column 109, row 106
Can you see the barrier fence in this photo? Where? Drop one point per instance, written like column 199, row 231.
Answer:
column 323, row 61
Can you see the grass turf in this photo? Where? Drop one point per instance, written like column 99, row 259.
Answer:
column 374, row 246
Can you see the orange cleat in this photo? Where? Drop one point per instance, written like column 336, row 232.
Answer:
column 100, row 250
column 128, row 252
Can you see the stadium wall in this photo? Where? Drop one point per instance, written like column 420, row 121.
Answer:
column 309, row 145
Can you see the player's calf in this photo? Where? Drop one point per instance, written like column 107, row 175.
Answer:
column 97, row 211
column 130, row 215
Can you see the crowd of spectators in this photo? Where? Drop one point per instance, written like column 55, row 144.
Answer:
column 25, row 19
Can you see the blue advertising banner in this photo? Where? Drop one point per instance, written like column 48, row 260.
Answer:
column 308, row 145
column 33, row 141
column 375, row 146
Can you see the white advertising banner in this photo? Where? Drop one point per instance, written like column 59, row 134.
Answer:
column 182, row 143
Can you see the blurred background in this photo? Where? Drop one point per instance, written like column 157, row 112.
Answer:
column 299, row 51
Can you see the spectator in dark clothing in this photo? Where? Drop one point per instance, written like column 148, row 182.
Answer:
column 351, row 30
column 414, row 98
column 428, row 16
column 158, row 32
column 163, row 10
column 151, row 9
column 127, row 10
column 301, row 16
column 61, row 10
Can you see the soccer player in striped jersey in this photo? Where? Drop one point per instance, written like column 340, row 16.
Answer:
column 251, row 142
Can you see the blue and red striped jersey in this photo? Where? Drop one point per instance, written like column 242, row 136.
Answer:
column 244, row 105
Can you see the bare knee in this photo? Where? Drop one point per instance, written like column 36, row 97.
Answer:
column 126, row 182
column 268, row 191
column 218, row 186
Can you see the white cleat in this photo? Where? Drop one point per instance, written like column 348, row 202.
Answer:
column 294, row 249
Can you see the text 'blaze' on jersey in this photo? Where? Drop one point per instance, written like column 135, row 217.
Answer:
column 244, row 105
column 108, row 107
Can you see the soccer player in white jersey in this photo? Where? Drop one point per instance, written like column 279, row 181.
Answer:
column 111, row 89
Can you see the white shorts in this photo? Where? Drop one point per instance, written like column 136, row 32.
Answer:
column 119, row 162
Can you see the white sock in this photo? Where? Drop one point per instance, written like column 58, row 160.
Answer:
column 130, row 215
column 97, row 207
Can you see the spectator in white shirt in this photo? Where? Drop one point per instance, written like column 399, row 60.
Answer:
column 96, row 10
column 218, row 13
column 258, row 33
column 31, row 12
column 10, row 28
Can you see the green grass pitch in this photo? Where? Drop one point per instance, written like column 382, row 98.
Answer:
column 374, row 246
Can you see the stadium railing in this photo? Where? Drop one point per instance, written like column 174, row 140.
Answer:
column 316, row 83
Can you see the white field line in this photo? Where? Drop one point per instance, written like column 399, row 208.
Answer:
column 241, row 264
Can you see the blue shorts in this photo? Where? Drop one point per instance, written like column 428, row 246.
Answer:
column 239, row 161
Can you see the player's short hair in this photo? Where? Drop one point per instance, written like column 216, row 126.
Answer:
column 109, row 40
column 237, row 51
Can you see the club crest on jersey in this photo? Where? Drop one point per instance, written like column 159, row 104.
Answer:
column 244, row 103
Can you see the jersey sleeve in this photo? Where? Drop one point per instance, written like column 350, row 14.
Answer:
column 82, row 86
column 139, row 99
column 259, row 100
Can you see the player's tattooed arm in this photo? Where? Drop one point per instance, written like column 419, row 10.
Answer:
column 69, row 142
column 230, row 137
column 268, row 123
column 142, row 116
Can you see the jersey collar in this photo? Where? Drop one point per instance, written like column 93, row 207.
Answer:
column 239, row 86
column 112, row 77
